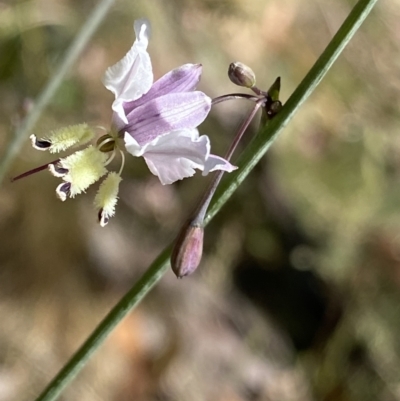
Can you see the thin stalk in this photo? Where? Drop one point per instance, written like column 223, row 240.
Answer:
column 34, row 170
column 233, row 96
column 72, row 54
column 201, row 210
column 250, row 157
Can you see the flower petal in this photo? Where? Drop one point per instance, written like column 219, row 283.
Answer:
column 214, row 163
column 132, row 76
column 176, row 156
column 167, row 113
column 181, row 79
column 173, row 156
column 132, row 146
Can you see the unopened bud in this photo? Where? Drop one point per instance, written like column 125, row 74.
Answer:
column 188, row 250
column 242, row 75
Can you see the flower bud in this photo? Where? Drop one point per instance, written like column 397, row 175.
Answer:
column 242, row 75
column 188, row 250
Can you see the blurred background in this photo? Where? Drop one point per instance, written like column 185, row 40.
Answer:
column 298, row 293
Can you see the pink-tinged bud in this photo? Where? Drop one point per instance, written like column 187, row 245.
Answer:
column 188, row 250
column 242, row 75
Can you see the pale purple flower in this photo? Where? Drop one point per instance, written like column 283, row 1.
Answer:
column 158, row 121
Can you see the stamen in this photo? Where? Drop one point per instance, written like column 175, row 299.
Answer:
column 72, row 136
column 63, row 191
column 33, row 171
column 107, row 197
column 40, row 144
column 105, row 140
column 123, row 161
column 85, row 167
column 57, row 170
column 103, row 218
column 110, row 159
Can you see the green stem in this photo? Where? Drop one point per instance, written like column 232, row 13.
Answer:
column 249, row 158
column 142, row 287
column 74, row 51
column 269, row 133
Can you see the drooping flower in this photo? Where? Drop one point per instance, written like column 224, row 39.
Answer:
column 157, row 121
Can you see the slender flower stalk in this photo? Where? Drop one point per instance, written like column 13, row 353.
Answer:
column 187, row 251
column 271, row 104
column 201, row 210
column 233, row 96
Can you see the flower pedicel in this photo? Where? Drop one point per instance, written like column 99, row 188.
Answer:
column 188, row 247
column 157, row 121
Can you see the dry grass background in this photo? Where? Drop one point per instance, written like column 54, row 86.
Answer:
column 297, row 297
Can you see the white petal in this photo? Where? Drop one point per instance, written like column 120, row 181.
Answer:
column 214, row 163
column 132, row 146
column 173, row 156
column 132, row 76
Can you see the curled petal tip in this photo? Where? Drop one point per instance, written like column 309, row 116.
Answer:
column 214, row 163
column 132, row 76
column 142, row 31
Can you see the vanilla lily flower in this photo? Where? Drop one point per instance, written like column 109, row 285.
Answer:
column 158, row 121
column 154, row 120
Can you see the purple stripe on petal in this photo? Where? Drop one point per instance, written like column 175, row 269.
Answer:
column 167, row 113
column 181, row 79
